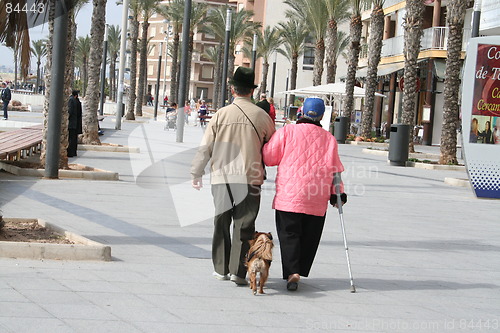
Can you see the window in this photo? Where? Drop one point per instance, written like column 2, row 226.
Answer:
column 308, row 58
column 151, row 49
column 150, row 70
column 207, row 72
column 152, row 32
column 200, row 91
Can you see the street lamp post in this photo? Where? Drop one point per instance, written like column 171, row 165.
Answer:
column 157, row 91
column 226, row 56
column 254, row 51
column 273, row 77
column 476, row 16
column 184, row 73
column 121, row 74
column 286, row 89
column 103, row 70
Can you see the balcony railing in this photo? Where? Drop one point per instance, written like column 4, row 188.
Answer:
column 389, row 3
column 435, row 38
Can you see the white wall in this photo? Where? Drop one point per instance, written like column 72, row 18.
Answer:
column 275, row 12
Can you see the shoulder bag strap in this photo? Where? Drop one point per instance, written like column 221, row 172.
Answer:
column 251, row 122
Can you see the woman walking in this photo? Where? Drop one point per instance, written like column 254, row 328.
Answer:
column 307, row 159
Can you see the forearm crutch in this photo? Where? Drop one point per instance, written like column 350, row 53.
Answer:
column 336, row 181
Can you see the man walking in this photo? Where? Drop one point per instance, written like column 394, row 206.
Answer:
column 6, row 97
column 233, row 142
column 74, row 122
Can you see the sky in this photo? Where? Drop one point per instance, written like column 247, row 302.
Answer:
column 83, row 20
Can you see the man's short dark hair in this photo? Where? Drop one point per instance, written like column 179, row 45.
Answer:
column 174, row 104
column 242, row 91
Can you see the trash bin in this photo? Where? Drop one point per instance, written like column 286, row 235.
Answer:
column 341, row 129
column 398, row 144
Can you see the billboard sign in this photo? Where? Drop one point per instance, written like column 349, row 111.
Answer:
column 481, row 115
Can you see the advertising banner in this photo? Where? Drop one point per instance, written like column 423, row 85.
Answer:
column 481, row 115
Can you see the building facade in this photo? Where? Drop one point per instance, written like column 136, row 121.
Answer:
column 160, row 32
column 268, row 13
column 432, row 62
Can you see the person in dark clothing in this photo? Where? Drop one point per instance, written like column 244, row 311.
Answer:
column 487, row 135
column 6, row 97
column 74, row 122
column 264, row 104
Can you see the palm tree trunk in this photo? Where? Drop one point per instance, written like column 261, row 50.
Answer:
column 48, row 80
column 90, row 125
column 355, row 47
column 38, row 63
column 293, row 77
column 455, row 22
column 319, row 57
column 175, row 60
column 413, row 33
column 331, row 50
column 85, row 76
column 68, row 84
column 230, row 73
column 265, row 71
column 134, row 34
column 374, row 50
column 142, row 68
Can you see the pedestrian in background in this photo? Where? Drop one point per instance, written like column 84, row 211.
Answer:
column 6, row 97
column 307, row 159
column 272, row 109
column 74, row 122
column 233, row 143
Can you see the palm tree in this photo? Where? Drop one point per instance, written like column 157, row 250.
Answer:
column 455, row 22
column 14, row 34
column 352, row 62
column 267, row 43
column 82, row 59
column 374, row 51
column 114, row 36
column 315, row 13
column 198, row 13
column 68, row 83
column 134, row 35
column 174, row 12
column 338, row 11
column 90, row 125
column 147, row 8
column 412, row 23
column 39, row 50
column 213, row 54
column 242, row 27
column 293, row 35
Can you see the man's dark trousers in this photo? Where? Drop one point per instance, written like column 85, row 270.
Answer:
column 228, row 255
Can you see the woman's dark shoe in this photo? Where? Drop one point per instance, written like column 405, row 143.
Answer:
column 292, row 283
column 292, row 286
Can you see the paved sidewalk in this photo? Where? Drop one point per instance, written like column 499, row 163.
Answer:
column 424, row 254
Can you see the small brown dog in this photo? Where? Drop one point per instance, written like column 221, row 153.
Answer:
column 258, row 259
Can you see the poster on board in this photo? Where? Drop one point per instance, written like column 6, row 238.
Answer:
column 481, row 115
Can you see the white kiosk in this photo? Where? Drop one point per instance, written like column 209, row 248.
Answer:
column 481, row 115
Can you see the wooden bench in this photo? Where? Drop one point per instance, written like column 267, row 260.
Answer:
column 20, row 143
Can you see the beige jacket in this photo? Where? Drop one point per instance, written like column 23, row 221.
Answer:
column 232, row 146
